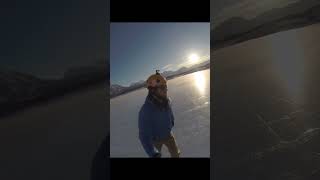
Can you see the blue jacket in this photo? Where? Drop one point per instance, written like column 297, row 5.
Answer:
column 154, row 124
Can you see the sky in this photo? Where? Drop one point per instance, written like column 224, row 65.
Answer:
column 138, row 49
column 46, row 41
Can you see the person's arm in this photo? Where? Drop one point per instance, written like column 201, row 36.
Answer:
column 171, row 114
column 145, row 134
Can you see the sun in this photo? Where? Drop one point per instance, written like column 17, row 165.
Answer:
column 193, row 58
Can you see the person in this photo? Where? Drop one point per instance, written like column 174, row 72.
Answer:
column 156, row 119
column 101, row 161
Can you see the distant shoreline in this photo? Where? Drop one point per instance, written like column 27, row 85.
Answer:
column 306, row 18
column 168, row 78
column 12, row 108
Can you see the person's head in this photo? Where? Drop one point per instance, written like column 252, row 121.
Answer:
column 157, row 85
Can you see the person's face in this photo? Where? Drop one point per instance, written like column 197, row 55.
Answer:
column 162, row 91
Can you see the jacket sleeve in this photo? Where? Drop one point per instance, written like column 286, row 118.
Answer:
column 145, row 134
column 171, row 114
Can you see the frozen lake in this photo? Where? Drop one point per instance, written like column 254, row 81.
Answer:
column 54, row 140
column 190, row 96
column 266, row 90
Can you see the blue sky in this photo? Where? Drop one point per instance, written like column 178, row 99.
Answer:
column 138, row 49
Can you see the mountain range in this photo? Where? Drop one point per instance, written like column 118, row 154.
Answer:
column 116, row 90
column 19, row 90
column 237, row 29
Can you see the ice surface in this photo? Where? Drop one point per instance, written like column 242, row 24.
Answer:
column 54, row 140
column 190, row 95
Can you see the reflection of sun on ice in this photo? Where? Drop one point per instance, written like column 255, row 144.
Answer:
column 200, row 81
column 194, row 58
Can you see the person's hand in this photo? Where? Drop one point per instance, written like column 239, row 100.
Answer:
column 157, row 155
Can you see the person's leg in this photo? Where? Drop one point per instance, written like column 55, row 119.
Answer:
column 172, row 147
column 158, row 145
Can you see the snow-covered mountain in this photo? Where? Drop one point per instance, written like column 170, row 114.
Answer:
column 236, row 27
column 14, row 85
column 139, row 83
column 116, row 90
column 168, row 73
column 19, row 90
